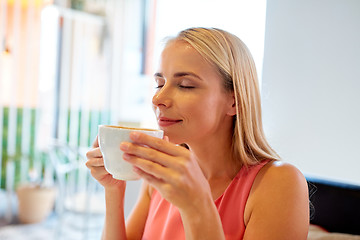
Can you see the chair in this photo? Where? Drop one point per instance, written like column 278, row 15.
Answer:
column 80, row 205
column 336, row 205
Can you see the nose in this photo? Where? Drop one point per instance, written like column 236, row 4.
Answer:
column 162, row 98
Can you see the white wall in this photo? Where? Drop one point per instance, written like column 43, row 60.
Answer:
column 244, row 18
column 311, row 85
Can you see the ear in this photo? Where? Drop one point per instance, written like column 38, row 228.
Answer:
column 232, row 106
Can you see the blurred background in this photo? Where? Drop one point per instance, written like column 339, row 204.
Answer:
column 67, row 66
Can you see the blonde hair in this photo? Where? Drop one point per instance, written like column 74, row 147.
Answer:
column 235, row 64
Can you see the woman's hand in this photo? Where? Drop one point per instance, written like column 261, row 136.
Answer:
column 171, row 169
column 96, row 165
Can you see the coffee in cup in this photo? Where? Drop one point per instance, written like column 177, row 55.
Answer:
column 110, row 137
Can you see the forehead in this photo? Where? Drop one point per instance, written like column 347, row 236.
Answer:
column 179, row 49
column 178, row 45
column 180, row 55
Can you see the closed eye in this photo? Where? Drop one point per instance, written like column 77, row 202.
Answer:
column 160, row 81
column 186, row 87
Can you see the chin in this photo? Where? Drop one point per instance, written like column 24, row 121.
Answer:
column 174, row 138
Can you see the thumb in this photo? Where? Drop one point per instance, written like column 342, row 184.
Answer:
column 96, row 142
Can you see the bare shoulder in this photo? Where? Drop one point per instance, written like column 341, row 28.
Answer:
column 278, row 202
column 277, row 172
column 278, row 180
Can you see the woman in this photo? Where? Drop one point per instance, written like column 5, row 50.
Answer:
column 227, row 183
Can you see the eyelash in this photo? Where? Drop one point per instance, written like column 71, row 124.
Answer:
column 186, row 87
column 180, row 86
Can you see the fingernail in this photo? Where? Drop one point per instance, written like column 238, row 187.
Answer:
column 134, row 135
column 124, row 146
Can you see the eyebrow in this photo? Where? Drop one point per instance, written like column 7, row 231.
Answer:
column 179, row 74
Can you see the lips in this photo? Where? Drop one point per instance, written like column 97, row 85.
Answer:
column 165, row 122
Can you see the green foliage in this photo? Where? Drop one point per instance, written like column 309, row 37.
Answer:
column 34, row 156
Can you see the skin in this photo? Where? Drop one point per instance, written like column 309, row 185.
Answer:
column 193, row 108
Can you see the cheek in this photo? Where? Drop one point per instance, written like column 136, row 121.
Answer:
column 213, row 108
column 204, row 110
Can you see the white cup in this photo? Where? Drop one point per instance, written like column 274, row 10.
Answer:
column 110, row 138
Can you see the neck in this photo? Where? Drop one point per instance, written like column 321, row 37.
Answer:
column 214, row 155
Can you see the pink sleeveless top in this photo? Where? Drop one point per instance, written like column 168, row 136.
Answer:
column 164, row 221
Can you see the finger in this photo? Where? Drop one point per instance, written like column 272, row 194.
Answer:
column 94, row 153
column 149, row 167
column 146, row 153
column 96, row 142
column 152, row 180
column 99, row 172
column 166, row 138
column 95, row 162
column 156, row 143
column 163, row 187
